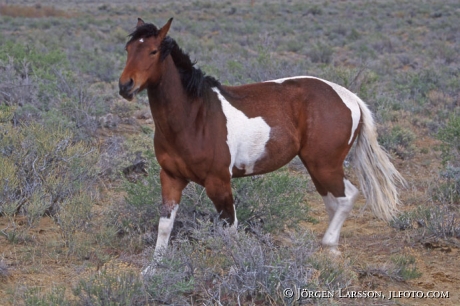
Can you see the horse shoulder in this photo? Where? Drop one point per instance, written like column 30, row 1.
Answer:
column 191, row 154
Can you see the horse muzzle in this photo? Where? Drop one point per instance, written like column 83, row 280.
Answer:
column 127, row 89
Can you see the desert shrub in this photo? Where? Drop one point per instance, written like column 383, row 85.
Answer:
column 42, row 88
column 41, row 169
column 143, row 197
column 441, row 222
column 209, row 264
column 315, row 10
column 76, row 105
column 401, row 267
column 249, row 68
column 447, row 190
column 276, row 200
column 96, row 63
column 450, row 137
column 415, row 86
column 398, row 140
column 40, row 62
column 4, row 271
column 438, row 221
column 321, row 52
column 294, row 45
column 215, row 265
column 403, row 221
column 175, row 280
column 73, row 215
column 264, row 66
column 111, row 287
column 405, row 267
column 34, row 296
column 330, row 274
column 362, row 81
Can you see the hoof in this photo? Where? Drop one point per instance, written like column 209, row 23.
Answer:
column 333, row 250
column 233, row 231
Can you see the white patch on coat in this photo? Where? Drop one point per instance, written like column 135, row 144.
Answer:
column 235, row 222
column 141, row 40
column 164, row 231
column 338, row 210
column 165, row 227
column 349, row 98
column 246, row 137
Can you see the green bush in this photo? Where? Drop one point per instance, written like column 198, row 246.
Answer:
column 43, row 88
column 405, row 267
column 441, row 222
column 111, row 287
column 321, row 52
column 41, row 63
column 36, row 296
column 147, row 190
column 42, row 169
column 438, row 221
column 403, row 221
column 450, row 137
column 363, row 81
column 276, row 200
column 175, row 278
column 398, row 140
column 402, row 267
column 447, row 190
column 143, row 199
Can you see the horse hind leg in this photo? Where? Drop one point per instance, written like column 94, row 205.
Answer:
column 343, row 205
column 339, row 196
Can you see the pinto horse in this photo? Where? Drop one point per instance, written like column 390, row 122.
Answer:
column 209, row 133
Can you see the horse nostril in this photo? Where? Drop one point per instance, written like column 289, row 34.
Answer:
column 126, row 87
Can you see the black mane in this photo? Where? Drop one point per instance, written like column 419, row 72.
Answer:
column 193, row 79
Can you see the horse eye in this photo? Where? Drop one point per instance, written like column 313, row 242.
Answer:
column 154, row 52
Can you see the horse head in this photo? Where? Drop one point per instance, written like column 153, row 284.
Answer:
column 145, row 57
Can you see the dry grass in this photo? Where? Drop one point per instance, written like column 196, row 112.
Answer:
column 36, row 11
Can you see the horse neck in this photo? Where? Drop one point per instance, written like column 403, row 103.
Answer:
column 171, row 107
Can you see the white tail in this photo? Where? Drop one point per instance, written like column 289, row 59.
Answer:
column 377, row 175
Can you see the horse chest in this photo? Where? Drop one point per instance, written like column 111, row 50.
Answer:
column 246, row 137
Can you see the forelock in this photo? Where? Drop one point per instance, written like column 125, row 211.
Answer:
column 144, row 31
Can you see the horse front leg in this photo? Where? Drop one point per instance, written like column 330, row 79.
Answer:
column 171, row 191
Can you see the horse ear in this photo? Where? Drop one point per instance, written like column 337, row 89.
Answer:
column 164, row 30
column 140, row 22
